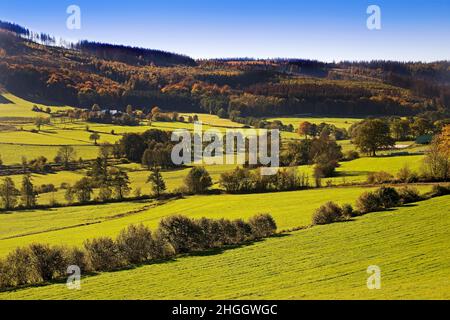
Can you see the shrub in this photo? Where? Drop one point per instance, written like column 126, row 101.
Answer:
column 78, row 257
column 351, row 155
column 46, row 188
column 229, row 232
column 389, row 197
column 19, row 263
column 409, row 195
column 328, row 213
column 439, row 191
column 262, row 225
column 212, row 233
column 198, row 180
column 243, row 230
column 136, row 244
column 347, row 211
column 64, row 186
column 379, row 177
column 181, row 232
column 406, row 175
column 103, row 254
column 49, row 262
column 6, row 279
column 369, row 202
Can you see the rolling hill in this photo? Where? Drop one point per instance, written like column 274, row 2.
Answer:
column 410, row 245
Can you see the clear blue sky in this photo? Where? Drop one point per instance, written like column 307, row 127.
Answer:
column 317, row 29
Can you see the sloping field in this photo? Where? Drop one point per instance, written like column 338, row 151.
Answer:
column 411, row 245
column 62, row 225
column 14, row 107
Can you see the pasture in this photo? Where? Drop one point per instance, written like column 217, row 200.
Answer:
column 68, row 225
column 410, row 245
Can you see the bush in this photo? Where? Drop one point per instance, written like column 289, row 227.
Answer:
column 405, row 175
column 347, row 211
column 136, row 244
column 103, row 254
column 351, row 155
column 20, row 266
column 212, row 233
column 262, row 225
column 409, row 195
column 198, row 180
column 46, row 188
column 379, row 177
column 49, row 262
column 229, row 232
column 369, row 202
column 328, row 213
column 389, row 197
column 243, row 231
column 78, row 257
column 439, row 191
column 181, row 232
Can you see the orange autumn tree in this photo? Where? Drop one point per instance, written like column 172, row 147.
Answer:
column 304, row 128
column 444, row 140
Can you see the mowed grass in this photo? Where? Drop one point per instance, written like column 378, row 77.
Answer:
column 290, row 209
column 338, row 122
column 411, row 246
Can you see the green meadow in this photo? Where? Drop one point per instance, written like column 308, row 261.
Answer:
column 71, row 225
column 409, row 245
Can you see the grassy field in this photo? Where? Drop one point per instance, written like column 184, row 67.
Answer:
column 20, row 108
column 68, row 225
column 410, row 245
column 338, row 122
column 356, row 171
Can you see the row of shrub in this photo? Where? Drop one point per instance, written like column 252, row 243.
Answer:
column 374, row 201
column 134, row 245
column 244, row 180
column 404, row 175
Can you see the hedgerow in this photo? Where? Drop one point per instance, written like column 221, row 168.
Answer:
column 136, row 244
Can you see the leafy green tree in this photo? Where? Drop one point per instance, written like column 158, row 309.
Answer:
column 156, row 181
column 120, row 182
column 8, row 193
column 372, row 135
column 198, row 180
column 27, row 193
column 83, row 190
column 94, row 137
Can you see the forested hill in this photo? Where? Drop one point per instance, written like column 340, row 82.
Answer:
column 116, row 76
column 132, row 55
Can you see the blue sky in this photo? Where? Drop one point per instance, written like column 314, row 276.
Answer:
column 322, row 29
